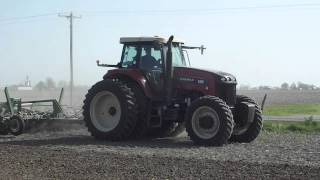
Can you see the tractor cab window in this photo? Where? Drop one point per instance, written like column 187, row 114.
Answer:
column 177, row 57
column 150, row 58
column 129, row 57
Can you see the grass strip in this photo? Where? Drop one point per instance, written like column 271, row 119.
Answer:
column 292, row 109
column 307, row 126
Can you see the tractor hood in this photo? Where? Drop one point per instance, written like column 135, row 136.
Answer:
column 201, row 73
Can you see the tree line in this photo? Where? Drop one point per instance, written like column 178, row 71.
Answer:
column 298, row 86
column 50, row 84
column 283, row 86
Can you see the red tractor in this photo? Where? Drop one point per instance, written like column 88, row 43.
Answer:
column 153, row 92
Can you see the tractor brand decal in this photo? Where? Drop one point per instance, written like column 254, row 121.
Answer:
column 186, row 79
column 193, row 80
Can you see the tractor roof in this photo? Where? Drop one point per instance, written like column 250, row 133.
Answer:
column 146, row 39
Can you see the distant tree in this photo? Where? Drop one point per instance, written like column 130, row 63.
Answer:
column 40, row 86
column 293, row 86
column 13, row 87
column 50, row 83
column 304, row 86
column 264, row 88
column 62, row 84
column 285, row 86
column 244, row 87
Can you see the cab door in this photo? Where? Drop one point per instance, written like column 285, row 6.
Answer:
column 151, row 64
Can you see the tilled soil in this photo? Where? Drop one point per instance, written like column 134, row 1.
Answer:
column 284, row 97
column 73, row 154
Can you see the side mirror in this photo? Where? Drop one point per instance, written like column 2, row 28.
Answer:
column 202, row 48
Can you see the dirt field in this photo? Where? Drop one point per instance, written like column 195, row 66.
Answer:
column 283, row 97
column 70, row 152
column 73, row 154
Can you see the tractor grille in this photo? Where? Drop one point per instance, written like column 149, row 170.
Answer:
column 228, row 93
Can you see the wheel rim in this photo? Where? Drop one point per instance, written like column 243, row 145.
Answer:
column 105, row 111
column 205, row 122
column 14, row 125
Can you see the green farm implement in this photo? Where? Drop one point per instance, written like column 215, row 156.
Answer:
column 17, row 116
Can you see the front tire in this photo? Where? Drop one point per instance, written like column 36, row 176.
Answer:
column 110, row 111
column 248, row 132
column 209, row 121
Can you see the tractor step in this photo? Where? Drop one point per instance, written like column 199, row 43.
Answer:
column 155, row 119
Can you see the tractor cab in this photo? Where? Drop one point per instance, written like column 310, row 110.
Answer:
column 149, row 56
column 148, row 53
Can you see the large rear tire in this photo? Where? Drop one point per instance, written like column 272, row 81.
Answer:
column 248, row 132
column 110, row 111
column 142, row 125
column 209, row 121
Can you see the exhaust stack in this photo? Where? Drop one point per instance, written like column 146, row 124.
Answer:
column 169, row 71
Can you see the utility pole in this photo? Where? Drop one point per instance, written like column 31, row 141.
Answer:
column 70, row 18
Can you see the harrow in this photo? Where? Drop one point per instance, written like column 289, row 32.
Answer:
column 17, row 116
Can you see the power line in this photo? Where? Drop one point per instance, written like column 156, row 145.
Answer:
column 27, row 17
column 23, row 21
column 12, row 20
column 207, row 10
column 10, row 23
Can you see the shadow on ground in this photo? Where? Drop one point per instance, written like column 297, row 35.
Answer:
column 88, row 140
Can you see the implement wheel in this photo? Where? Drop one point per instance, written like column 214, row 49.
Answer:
column 16, row 125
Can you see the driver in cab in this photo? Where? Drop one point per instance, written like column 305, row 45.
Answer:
column 148, row 62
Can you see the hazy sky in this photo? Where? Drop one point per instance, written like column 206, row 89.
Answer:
column 261, row 46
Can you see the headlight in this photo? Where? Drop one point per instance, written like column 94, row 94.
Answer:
column 227, row 79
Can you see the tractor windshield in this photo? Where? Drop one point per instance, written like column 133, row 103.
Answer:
column 177, row 56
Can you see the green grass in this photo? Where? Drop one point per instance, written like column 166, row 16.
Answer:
column 292, row 109
column 307, row 126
